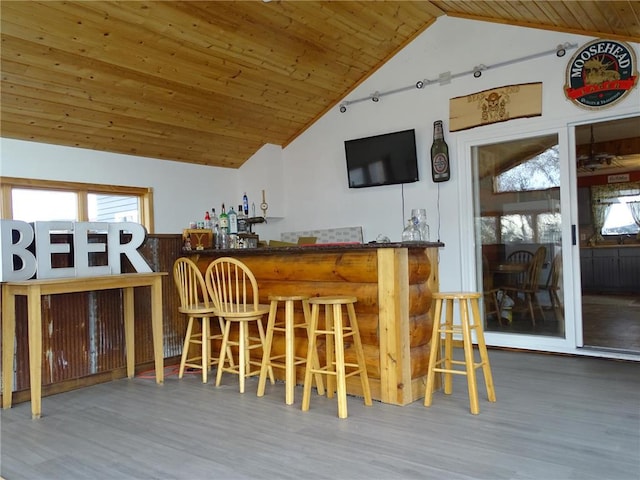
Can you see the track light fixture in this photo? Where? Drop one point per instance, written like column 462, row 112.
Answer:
column 477, row 70
column 561, row 50
column 446, row 77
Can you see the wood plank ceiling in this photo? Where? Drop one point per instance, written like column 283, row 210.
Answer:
column 211, row 82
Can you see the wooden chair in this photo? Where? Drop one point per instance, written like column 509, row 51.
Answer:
column 529, row 287
column 195, row 304
column 490, row 293
column 553, row 283
column 520, row 256
column 234, row 293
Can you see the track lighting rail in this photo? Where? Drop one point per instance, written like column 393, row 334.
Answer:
column 446, row 77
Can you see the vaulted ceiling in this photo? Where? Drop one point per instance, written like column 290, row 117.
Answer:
column 211, row 82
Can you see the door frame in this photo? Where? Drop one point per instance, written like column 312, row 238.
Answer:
column 573, row 341
column 568, row 206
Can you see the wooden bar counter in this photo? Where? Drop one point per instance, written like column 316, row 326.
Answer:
column 393, row 283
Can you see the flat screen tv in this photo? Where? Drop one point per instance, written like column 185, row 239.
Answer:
column 382, row 159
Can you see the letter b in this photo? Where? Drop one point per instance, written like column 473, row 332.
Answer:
column 9, row 251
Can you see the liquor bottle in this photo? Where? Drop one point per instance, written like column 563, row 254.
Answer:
column 233, row 221
column 215, row 227
column 245, row 204
column 440, row 170
column 207, row 220
column 242, row 220
column 224, row 221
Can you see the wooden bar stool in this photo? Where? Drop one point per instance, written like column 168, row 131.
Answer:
column 335, row 331
column 467, row 324
column 288, row 327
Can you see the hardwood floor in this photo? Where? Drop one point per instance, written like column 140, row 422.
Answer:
column 557, row 417
column 611, row 322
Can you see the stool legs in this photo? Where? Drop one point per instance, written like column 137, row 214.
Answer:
column 335, row 367
column 204, row 339
column 289, row 369
column 266, row 354
column 468, row 322
column 484, row 356
column 290, row 360
column 243, row 369
column 434, row 354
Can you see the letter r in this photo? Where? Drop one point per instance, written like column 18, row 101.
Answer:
column 130, row 250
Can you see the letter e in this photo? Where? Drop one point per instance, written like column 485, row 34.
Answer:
column 82, row 248
column 45, row 249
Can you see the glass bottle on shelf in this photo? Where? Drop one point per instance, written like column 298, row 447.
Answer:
column 245, row 205
column 224, row 221
column 242, row 220
column 233, row 221
column 215, row 228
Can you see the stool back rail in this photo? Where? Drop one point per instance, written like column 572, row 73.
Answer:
column 234, row 293
column 195, row 304
column 444, row 363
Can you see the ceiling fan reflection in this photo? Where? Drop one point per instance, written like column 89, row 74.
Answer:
column 594, row 161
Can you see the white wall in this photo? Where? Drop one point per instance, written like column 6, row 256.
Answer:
column 182, row 192
column 315, row 184
column 306, row 182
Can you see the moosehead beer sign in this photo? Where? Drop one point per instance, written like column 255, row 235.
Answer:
column 601, row 74
column 18, row 262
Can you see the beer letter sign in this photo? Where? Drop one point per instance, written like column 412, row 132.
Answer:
column 18, row 262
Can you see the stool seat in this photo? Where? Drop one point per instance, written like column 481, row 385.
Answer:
column 455, row 295
column 288, row 327
column 284, row 298
column 336, row 329
column 332, row 300
column 439, row 363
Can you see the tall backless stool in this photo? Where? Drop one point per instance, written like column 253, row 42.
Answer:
column 445, row 363
column 288, row 361
column 335, row 331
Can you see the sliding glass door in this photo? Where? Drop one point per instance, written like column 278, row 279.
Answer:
column 518, row 230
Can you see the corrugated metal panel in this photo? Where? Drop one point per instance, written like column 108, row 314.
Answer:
column 83, row 333
column 65, row 337
column 161, row 252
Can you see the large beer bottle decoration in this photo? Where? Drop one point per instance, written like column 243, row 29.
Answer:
column 440, row 168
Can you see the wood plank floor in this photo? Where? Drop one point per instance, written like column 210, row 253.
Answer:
column 556, row 418
column 611, row 321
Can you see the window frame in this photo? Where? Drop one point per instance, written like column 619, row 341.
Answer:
column 82, row 191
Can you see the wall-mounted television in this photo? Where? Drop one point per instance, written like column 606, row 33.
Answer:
column 382, row 159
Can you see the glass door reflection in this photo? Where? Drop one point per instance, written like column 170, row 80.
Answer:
column 517, row 221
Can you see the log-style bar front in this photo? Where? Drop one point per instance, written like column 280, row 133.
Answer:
column 393, row 283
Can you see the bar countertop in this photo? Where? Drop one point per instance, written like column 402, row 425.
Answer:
column 317, row 247
column 393, row 283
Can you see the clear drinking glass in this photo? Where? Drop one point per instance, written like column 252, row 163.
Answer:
column 411, row 233
column 420, row 215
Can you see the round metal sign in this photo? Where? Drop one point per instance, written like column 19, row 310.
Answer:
column 600, row 74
